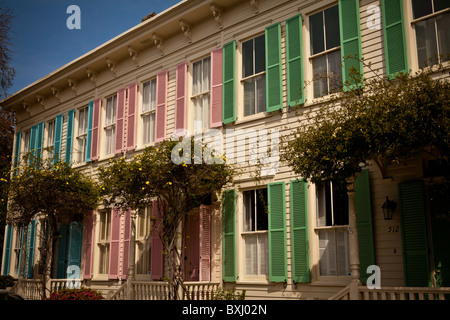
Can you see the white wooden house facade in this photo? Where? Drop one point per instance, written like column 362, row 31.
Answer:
column 239, row 66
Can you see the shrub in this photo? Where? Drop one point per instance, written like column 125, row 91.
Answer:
column 76, row 294
column 221, row 294
column 6, row 281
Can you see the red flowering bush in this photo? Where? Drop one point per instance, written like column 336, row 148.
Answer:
column 76, row 294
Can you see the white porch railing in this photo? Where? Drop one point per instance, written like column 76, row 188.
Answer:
column 395, row 293
column 31, row 289
column 158, row 290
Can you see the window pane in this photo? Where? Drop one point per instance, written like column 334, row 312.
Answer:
column 206, row 74
column 332, row 27
column 262, row 217
column 251, row 266
column 261, row 93
column 249, row 210
column 316, row 33
column 421, row 8
column 260, row 54
column 197, row 78
column 249, row 97
column 320, row 76
column 426, row 42
column 441, row 4
column 443, row 29
column 263, row 250
column 327, row 254
column 247, row 58
column 146, row 97
column 340, row 203
column 343, row 259
column 334, row 71
column 153, row 94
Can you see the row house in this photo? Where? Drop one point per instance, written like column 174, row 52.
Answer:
column 240, row 68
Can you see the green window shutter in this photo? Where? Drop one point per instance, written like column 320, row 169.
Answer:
column 58, row 137
column 294, row 57
column 395, row 52
column 31, row 242
column 74, row 255
column 364, row 224
column 229, row 235
column 17, row 152
column 62, row 252
column 350, row 34
column 277, row 232
column 299, row 231
column 274, row 87
column 229, row 82
column 69, row 135
column 7, row 256
column 414, row 234
column 89, row 131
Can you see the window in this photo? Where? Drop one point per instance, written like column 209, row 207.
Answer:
column 26, row 145
column 17, row 247
column 43, row 243
column 201, row 83
column 143, row 241
column 103, row 241
column 110, row 124
column 254, row 75
column 325, row 51
column 332, row 222
column 82, row 133
column 51, row 134
column 148, row 111
column 255, row 233
column 432, row 25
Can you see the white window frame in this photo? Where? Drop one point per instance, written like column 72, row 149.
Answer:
column 326, row 53
column 325, row 267
column 253, row 77
column 110, row 124
column 148, row 135
column 81, row 137
column 262, row 242
column 201, row 94
column 433, row 16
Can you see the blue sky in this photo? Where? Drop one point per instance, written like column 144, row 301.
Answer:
column 42, row 43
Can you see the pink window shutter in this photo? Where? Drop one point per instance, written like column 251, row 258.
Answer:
column 216, row 88
column 88, row 242
column 114, row 245
column 205, row 243
column 157, row 260
column 131, row 120
column 120, row 120
column 180, row 104
column 96, row 129
column 126, row 243
column 161, row 105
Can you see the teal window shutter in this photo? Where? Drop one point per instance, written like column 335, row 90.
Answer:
column 69, row 135
column 17, row 152
column 31, row 246
column 74, row 254
column 350, row 34
column 416, row 263
column 32, row 144
column 395, row 51
column 299, row 231
column 8, row 244
column 277, row 232
column 39, row 139
column 89, row 131
column 62, row 252
column 274, row 87
column 229, row 83
column 294, row 61
column 364, row 224
column 58, row 137
column 229, row 235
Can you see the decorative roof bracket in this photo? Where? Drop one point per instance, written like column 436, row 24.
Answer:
column 217, row 13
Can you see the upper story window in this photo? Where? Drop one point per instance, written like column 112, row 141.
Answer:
column 82, row 133
column 255, row 233
column 201, row 83
column 148, row 111
column 331, row 228
column 432, row 26
column 110, row 124
column 26, row 144
column 254, row 75
column 51, row 133
column 325, row 51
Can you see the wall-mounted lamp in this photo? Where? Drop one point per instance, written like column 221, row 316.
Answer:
column 388, row 209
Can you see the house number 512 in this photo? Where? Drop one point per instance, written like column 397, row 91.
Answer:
column 393, row 228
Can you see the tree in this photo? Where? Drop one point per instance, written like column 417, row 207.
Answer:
column 386, row 121
column 7, row 73
column 176, row 178
column 52, row 190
